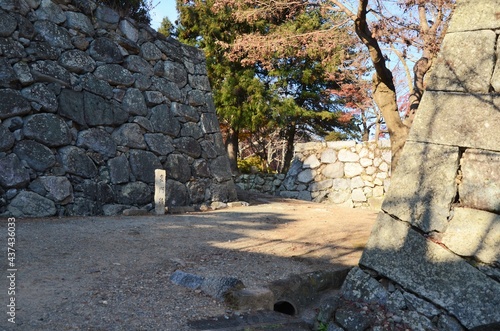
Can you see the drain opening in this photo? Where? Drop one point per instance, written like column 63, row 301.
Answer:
column 285, row 307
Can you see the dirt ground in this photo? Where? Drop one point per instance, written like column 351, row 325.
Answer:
column 112, row 273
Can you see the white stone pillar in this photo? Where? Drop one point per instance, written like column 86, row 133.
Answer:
column 160, row 180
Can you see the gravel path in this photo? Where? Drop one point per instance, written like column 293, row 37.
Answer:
column 98, row 273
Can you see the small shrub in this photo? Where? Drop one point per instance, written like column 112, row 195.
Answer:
column 253, row 162
column 136, row 9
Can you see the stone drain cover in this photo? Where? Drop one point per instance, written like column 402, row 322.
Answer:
column 254, row 321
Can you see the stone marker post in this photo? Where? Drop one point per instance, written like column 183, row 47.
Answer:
column 160, row 179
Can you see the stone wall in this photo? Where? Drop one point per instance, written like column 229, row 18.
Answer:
column 438, row 235
column 343, row 173
column 91, row 104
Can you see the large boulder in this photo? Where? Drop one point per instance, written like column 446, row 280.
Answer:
column 114, row 74
column 30, row 204
column 49, row 129
column 58, row 188
column 50, row 71
column 97, row 140
column 13, row 174
column 105, row 50
column 55, row 35
column 75, row 161
column 77, row 61
column 178, row 168
column 99, row 111
column 39, row 157
column 6, row 139
column 119, row 169
column 135, row 193
column 176, row 194
column 79, row 22
column 13, row 104
column 42, row 95
column 143, row 165
column 130, row 135
column 164, row 121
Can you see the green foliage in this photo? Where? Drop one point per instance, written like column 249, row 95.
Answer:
column 293, row 96
column 305, row 76
column 336, row 136
column 250, row 164
column 323, row 327
column 239, row 96
column 136, row 9
column 166, row 27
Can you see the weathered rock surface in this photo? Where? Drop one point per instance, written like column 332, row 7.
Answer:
column 6, row 139
column 178, row 168
column 143, row 165
column 437, row 239
column 176, row 194
column 134, row 193
column 454, row 124
column 13, row 174
column 455, row 68
column 130, row 135
column 48, row 129
column 164, row 121
column 97, row 140
column 105, row 50
column 422, row 194
column 159, row 143
column 13, row 104
column 77, row 61
column 42, row 95
column 474, row 233
column 30, row 204
column 75, row 161
column 119, row 170
column 480, row 183
column 58, row 189
column 37, row 156
column 398, row 252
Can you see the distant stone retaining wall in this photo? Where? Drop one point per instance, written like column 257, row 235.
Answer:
column 343, row 173
column 91, row 104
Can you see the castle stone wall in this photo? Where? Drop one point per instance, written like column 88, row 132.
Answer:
column 91, row 104
column 344, row 173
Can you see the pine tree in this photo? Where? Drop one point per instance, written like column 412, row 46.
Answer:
column 283, row 90
column 166, row 27
column 239, row 96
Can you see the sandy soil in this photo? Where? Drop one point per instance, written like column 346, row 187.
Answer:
column 112, row 273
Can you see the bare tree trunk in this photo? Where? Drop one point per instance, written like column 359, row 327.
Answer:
column 377, row 127
column 385, row 97
column 232, row 148
column 419, row 70
column 290, row 140
column 384, row 91
column 365, row 133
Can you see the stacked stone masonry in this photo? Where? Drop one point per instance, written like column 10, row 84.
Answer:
column 343, row 173
column 438, row 234
column 91, row 104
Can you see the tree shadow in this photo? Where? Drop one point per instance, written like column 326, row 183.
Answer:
column 73, row 270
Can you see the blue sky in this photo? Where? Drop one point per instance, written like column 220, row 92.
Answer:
column 163, row 8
